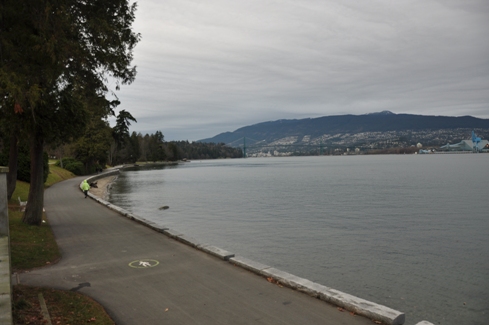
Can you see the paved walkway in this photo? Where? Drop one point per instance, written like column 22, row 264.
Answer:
column 188, row 286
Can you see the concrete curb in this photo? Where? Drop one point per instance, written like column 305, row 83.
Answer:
column 112, row 172
column 248, row 264
column 216, row 251
column 363, row 307
column 351, row 303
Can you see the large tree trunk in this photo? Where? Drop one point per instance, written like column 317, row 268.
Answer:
column 12, row 164
column 35, row 201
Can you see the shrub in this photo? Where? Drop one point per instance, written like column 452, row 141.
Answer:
column 76, row 167
column 66, row 161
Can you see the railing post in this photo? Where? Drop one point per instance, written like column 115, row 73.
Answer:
column 5, row 271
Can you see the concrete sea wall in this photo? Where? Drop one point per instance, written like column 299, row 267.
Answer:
column 371, row 310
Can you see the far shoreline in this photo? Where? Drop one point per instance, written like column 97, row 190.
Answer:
column 104, row 184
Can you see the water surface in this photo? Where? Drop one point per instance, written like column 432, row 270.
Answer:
column 408, row 231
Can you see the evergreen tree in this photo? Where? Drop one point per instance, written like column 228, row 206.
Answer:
column 56, row 56
column 91, row 149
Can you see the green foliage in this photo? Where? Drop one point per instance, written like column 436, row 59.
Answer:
column 66, row 160
column 73, row 165
column 55, row 63
column 175, row 152
column 57, row 174
column 76, row 168
column 24, row 165
column 152, row 147
column 91, row 149
column 22, row 191
column 201, row 150
column 155, row 147
column 120, row 131
column 31, row 246
column 178, row 150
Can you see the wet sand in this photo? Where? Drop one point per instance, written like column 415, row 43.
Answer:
column 103, row 187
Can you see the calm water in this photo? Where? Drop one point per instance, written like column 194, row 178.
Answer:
column 409, row 231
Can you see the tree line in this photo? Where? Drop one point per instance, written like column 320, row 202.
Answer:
column 153, row 147
column 96, row 149
column 56, row 60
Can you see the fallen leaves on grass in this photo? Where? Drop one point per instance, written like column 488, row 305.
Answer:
column 64, row 307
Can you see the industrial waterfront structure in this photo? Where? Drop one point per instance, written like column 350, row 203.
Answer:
column 476, row 144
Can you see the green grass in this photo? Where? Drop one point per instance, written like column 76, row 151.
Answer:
column 57, row 174
column 22, row 191
column 35, row 246
column 31, row 246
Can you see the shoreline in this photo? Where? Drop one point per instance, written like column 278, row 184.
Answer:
column 103, row 187
column 107, row 178
column 356, row 305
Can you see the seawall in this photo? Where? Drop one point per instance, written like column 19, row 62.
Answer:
column 371, row 310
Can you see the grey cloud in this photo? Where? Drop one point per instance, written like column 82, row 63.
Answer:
column 214, row 66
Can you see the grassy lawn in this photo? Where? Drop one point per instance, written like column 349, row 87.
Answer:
column 22, row 191
column 32, row 247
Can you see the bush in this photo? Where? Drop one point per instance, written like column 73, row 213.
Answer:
column 92, row 169
column 76, row 168
column 66, row 161
column 73, row 165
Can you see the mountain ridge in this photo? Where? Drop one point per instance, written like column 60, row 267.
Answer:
column 384, row 124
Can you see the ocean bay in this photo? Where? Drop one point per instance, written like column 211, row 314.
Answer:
column 406, row 231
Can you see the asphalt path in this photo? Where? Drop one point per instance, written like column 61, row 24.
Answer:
column 141, row 276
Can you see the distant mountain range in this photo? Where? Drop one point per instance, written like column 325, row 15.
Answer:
column 375, row 130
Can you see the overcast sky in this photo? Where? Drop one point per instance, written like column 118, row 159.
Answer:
column 211, row 66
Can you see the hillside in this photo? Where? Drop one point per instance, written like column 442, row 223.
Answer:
column 376, row 130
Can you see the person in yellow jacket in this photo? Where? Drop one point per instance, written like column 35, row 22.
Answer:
column 85, row 187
